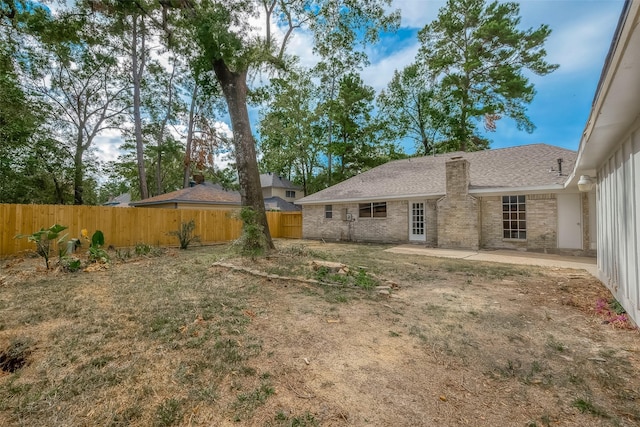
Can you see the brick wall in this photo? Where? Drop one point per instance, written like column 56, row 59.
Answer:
column 457, row 212
column 393, row 228
column 542, row 223
column 431, row 219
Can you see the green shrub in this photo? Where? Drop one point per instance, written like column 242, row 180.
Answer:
column 185, row 234
column 43, row 238
column 253, row 242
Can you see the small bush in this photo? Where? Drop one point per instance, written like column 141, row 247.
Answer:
column 144, row 249
column 253, row 242
column 185, row 234
column 70, row 264
column 43, row 238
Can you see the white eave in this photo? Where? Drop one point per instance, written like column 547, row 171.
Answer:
column 616, row 105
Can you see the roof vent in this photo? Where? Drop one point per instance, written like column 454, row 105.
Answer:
column 560, row 167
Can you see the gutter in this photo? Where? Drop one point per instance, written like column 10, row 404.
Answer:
column 593, row 115
column 493, row 190
column 175, row 202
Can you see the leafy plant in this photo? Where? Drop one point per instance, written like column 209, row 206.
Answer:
column 185, row 234
column 142, row 249
column 70, row 264
column 253, row 241
column 96, row 253
column 365, row 281
column 43, row 239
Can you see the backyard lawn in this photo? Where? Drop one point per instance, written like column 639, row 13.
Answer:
column 204, row 337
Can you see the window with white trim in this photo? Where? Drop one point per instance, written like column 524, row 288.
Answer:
column 290, row 194
column 514, row 217
column 373, row 210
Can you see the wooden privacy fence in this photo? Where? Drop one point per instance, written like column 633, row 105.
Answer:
column 125, row 227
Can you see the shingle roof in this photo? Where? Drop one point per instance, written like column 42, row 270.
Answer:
column 205, row 193
column 121, row 200
column 280, row 204
column 276, row 181
column 524, row 166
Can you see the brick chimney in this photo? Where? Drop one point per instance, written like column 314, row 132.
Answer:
column 457, row 177
column 458, row 211
column 198, row 178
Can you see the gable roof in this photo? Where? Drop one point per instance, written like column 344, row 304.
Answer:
column 205, row 193
column 280, row 204
column 531, row 167
column 276, row 181
column 121, row 201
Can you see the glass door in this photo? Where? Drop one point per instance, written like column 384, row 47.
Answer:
column 417, row 229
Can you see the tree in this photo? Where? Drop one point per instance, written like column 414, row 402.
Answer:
column 62, row 102
column 231, row 48
column 479, row 56
column 289, row 138
column 413, row 106
column 161, row 102
column 80, row 86
column 353, row 143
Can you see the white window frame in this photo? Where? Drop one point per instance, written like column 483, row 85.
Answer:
column 514, row 217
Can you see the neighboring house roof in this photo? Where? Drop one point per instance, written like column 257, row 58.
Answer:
column 276, row 181
column 205, row 193
column 122, row 200
column 531, row 167
column 277, row 203
column 615, row 105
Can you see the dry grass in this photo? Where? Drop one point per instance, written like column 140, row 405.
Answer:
column 175, row 340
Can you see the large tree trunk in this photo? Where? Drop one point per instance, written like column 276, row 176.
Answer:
column 137, row 65
column 187, row 152
column 78, row 172
column 234, row 87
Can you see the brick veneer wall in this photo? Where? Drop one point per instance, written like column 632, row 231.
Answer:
column 393, row 228
column 458, row 222
column 542, row 223
column 431, row 219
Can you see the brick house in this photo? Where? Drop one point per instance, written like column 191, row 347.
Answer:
column 512, row 198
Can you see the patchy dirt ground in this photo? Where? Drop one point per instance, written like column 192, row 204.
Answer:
column 180, row 340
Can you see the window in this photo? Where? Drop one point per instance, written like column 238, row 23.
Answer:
column 328, row 211
column 373, row 210
column 290, row 193
column 514, row 217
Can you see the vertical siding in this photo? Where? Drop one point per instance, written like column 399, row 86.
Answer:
column 124, row 227
column 618, row 205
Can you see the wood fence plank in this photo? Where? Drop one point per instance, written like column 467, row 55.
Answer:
column 125, row 227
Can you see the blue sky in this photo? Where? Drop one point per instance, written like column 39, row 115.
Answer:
column 582, row 31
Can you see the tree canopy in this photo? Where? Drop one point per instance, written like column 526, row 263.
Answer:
column 479, row 56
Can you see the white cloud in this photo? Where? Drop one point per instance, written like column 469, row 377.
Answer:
column 580, row 44
column 107, row 145
column 417, row 13
column 379, row 74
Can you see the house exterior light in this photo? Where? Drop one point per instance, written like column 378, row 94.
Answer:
column 585, row 183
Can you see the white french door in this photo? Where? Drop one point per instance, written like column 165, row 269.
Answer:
column 417, row 226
